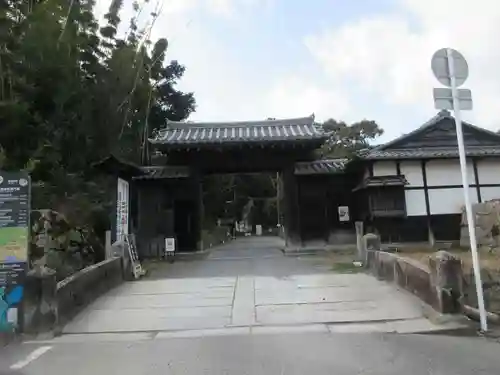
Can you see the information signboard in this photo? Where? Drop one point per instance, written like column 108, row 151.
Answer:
column 122, row 214
column 14, row 232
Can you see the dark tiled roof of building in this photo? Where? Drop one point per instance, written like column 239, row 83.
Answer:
column 186, row 133
column 114, row 164
column 430, row 153
column 327, row 166
column 379, row 181
column 160, row 172
column 393, row 149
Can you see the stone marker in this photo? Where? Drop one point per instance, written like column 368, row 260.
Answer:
column 371, row 242
column 446, row 279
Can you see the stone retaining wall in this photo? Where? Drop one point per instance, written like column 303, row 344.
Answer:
column 79, row 290
column 438, row 286
column 50, row 304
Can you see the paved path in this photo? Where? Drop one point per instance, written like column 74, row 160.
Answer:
column 246, row 283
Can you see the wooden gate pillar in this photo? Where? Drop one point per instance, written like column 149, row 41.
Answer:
column 291, row 209
column 200, row 209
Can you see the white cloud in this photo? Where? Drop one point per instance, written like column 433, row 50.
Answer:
column 294, row 97
column 388, row 55
column 376, row 67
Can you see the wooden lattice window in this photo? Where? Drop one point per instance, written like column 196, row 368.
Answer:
column 387, row 201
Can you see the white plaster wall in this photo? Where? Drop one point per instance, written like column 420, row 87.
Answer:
column 415, row 202
column 489, row 193
column 488, row 171
column 447, row 172
column 384, row 168
column 449, row 201
column 412, row 170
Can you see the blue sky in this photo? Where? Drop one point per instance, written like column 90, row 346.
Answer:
column 349, row 60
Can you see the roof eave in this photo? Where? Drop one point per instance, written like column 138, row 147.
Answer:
column 316, row 140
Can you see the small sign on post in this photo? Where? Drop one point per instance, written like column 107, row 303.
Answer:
column 343, row 213
column 443, row 99
column 169, row 245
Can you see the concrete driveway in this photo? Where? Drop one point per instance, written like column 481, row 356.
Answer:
column 247, row 283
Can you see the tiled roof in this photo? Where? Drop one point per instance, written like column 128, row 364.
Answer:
column 427, row 153
column 159, row 172
column 379, row 181
column 390, row 151
column 327, row 166
column 114, row 164
column 186, row 133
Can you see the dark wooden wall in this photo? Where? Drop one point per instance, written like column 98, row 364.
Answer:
column 167, row 208
column 314, row 206
column 319, row 199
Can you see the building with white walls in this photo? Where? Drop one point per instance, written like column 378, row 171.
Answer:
column 412, row 186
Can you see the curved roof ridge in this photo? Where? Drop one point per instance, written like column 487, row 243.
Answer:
column 309, row 120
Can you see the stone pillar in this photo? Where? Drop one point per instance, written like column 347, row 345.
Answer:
column 359, row 240
column 107, row 245
column 40, row 304
column 446, row 280
column 371, row 244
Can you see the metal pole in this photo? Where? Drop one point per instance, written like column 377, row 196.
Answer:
column 465, row 183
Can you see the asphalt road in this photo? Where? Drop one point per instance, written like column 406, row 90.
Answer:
column 301, row 353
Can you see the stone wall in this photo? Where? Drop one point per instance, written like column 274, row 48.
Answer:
column 50, row 304
column 79, row 290
column 487, row 224
column 438, row 285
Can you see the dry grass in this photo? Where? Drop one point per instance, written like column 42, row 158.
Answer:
column 488, row 260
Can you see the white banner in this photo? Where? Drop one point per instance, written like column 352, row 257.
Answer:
column 169, row 245
column 122, row 199
column 343, row 213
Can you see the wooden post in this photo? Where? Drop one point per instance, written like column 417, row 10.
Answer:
column 201, row 211
column 290, row 209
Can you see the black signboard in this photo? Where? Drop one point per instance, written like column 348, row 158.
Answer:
column 14, row 232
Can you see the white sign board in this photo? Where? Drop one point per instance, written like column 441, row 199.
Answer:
column 441, row 70
column 344, row 213
column 169, row 245
column 122, row 203
column 443, row 99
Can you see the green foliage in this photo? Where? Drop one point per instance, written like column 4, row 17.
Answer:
column 347, row 139
column 72, row 92
column 225, row 197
